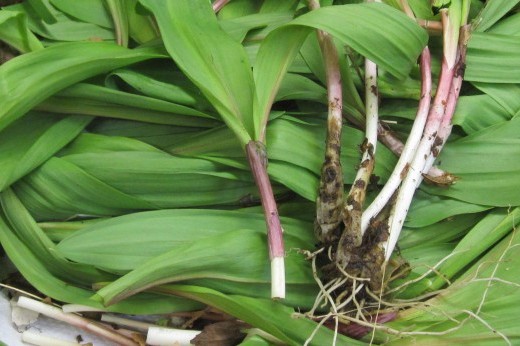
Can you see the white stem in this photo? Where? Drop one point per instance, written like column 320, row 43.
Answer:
column 126, row 322
column 39, row 339
column 371, row 104
column 277, row 278
column 75, row 320
column 414, row 175
column 409, row 149
column 158, row 336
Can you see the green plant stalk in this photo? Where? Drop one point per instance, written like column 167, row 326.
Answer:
column 120, row 18
column 257, row 158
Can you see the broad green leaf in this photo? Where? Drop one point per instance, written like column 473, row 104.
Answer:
column 38, row 276
column 239, row 8
column 270, row 316
column 90, row 11
column 503, row 94
column 239, row 27
column 240, row 257
column 447, row 230
column 271, row 6
column 96, row 100
column 29, row 141
column 49, row 70
column 371, row 30
column 476, row 112
column 214, row 62
column 485, row 165
column 160, row 136
column 60, row 190
column 489, row 289
column 141, row 26
column 492, row 228
column 28, row 231
column 155, row 82
column 492, row 13
column 60, row 27
column 100, row 175
column 508, row 26
column 117, row 243
column 428, row 209
column 298, row 87
column 14, row 31
column 493, row 58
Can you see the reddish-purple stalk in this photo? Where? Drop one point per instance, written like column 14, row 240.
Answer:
column 218, row 4
column 329, row 204
column 426, row 147
column 257, row 157
column 446, row 125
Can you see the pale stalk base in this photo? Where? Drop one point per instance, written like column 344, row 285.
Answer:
column 277, row 278
column 169, row 336
column 39, row 339
column 72, row 319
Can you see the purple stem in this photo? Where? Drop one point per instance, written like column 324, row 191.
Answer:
column 218, row 4
column 256, row 155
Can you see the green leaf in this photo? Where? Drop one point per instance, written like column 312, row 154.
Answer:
column 427, row 209
column 141, row 26
column 493, row 58
column 14, row 31
column 494, row 183
column 96, row 100
column 508, row 26
column 240, row 257
column 216, row 63
column 49, row 70
column 476, row 112
column 492, row 228
column 58, row 26
column 379, row 32
column 89, row 11
column 160, row 83
column 28, row 142
column 492, row 13
column 28, row 231
column 488, row 289
column 503, row 94
column 39, row 276
column 117, row 243
column 99, row 175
